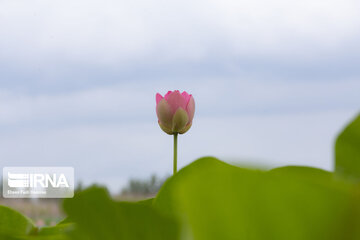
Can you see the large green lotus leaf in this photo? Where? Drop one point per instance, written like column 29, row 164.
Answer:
column 97, row 216
column 215, row 200
column 14, row 224
column 347, row 151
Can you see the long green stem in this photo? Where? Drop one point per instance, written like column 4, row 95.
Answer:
column 175, row 152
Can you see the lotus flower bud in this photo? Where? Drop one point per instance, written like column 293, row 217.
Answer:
column 175, row 111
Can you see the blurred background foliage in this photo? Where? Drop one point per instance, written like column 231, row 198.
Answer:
column 143, row 187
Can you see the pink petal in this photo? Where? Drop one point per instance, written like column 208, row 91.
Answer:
column 176, row 100
column 158, row 98
column 186, row 96
column 164, row 114
column 190, row 108
column 167, row 95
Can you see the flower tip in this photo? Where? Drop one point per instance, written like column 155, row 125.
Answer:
column 158, row 97
column 167, row 95
column 186, row 96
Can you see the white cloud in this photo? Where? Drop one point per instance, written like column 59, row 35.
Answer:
column 135, row 101
column 120, row 32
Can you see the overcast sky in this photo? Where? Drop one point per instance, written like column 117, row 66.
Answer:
column 274, row 81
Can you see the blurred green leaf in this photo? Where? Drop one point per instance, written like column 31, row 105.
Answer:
column 97, row 216
column 305, row 174
column 13, row 223
column 65, row 220
column 347, row 151
column 58, row 232
column 147, row 202
column 215, row 200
